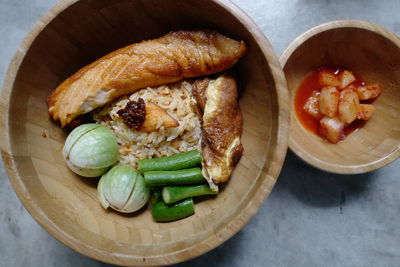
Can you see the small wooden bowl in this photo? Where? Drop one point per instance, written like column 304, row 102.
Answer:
column 75, row 33
column 373, row 53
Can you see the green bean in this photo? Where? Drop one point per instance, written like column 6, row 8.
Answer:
column 179, row 161
column 179, row 177
column 171, row 194
column 170, row 212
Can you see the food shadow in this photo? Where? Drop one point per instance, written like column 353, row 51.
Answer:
column 319, row 188
column 89, row 181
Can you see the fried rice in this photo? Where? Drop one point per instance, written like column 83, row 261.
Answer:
column 178, row 101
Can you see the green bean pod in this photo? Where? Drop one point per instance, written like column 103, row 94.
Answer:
column 170, row 212
column 179, row 177
column 179, row 161
column 172, row 194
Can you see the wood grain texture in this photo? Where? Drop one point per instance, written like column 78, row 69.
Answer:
column 373, row 53
column 75, row 33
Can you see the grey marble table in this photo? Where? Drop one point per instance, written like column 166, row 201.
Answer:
column 311, row 218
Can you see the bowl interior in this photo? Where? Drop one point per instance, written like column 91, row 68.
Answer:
column 66, row 205
column 374, row 54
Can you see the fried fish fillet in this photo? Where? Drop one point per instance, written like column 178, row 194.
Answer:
column 173, row 57
column 221, row 127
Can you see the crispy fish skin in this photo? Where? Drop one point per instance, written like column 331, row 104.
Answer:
column 173, row 57
column 156, row 117
column 221, row 127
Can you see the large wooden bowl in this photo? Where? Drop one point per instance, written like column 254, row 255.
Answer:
column 374, row 54
column 75, row 33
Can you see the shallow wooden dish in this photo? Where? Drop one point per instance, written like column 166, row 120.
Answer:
column 370, row 51
column 73, row 34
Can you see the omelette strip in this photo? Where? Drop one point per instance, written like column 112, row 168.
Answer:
column 221, row 127
column 173, row 57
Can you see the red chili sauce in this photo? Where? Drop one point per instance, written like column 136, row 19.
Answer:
column 304, row 91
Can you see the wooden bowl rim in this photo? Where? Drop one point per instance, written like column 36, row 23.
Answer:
column 205, row 245
column 297, row 149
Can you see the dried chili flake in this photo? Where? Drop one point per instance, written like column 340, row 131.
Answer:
column 134, row 113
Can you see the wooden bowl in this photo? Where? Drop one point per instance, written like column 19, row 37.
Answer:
column 373, row 53
column 75, row 33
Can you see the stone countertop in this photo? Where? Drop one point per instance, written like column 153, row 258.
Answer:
column 312, row 218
